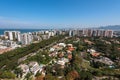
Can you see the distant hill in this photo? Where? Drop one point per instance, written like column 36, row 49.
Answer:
column 111, row 27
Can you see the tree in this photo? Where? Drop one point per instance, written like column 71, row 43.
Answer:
column 40, row 77
column 28, row 76
column 80, row 48
column 84, row 75
column 18, row 72
column 50, row 77
column 73, row 75
column 8, row 75
column 38, row 74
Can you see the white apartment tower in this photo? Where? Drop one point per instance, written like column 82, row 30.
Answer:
column 26, row 38
column 13, row 35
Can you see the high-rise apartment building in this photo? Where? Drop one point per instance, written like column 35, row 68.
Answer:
column 26, row 38
column 91, row 32
column 13, row 35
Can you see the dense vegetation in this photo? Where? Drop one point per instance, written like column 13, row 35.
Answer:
column 79, row 68
column 85, row 71
column 40, row 58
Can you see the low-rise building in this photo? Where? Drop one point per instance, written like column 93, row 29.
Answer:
column 24, row 68
column 34, row 67
column 62, row 44
column 104, row 60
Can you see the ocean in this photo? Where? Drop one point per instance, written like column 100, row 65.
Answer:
column 21, row 30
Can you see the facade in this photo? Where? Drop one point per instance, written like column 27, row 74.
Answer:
column 94, row 33
column 70, row 33
column 9, row 35
column 51, row 33
column 26, row 38
column 80, row 32
column 24, row 68
column 34, row 67
column 91, row 33
column 109, row 33
column 13, row 35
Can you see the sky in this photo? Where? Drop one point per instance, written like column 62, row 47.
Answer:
column 58, row 13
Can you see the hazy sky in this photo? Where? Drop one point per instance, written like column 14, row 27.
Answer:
column 58, row 13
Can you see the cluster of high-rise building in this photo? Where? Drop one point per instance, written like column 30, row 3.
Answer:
column 27, row 38
column 24, row 38
column 91, row 33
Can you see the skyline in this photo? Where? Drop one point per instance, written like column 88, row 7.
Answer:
column 58, row 13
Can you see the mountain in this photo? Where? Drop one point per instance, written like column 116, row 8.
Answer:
column 111, row 27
